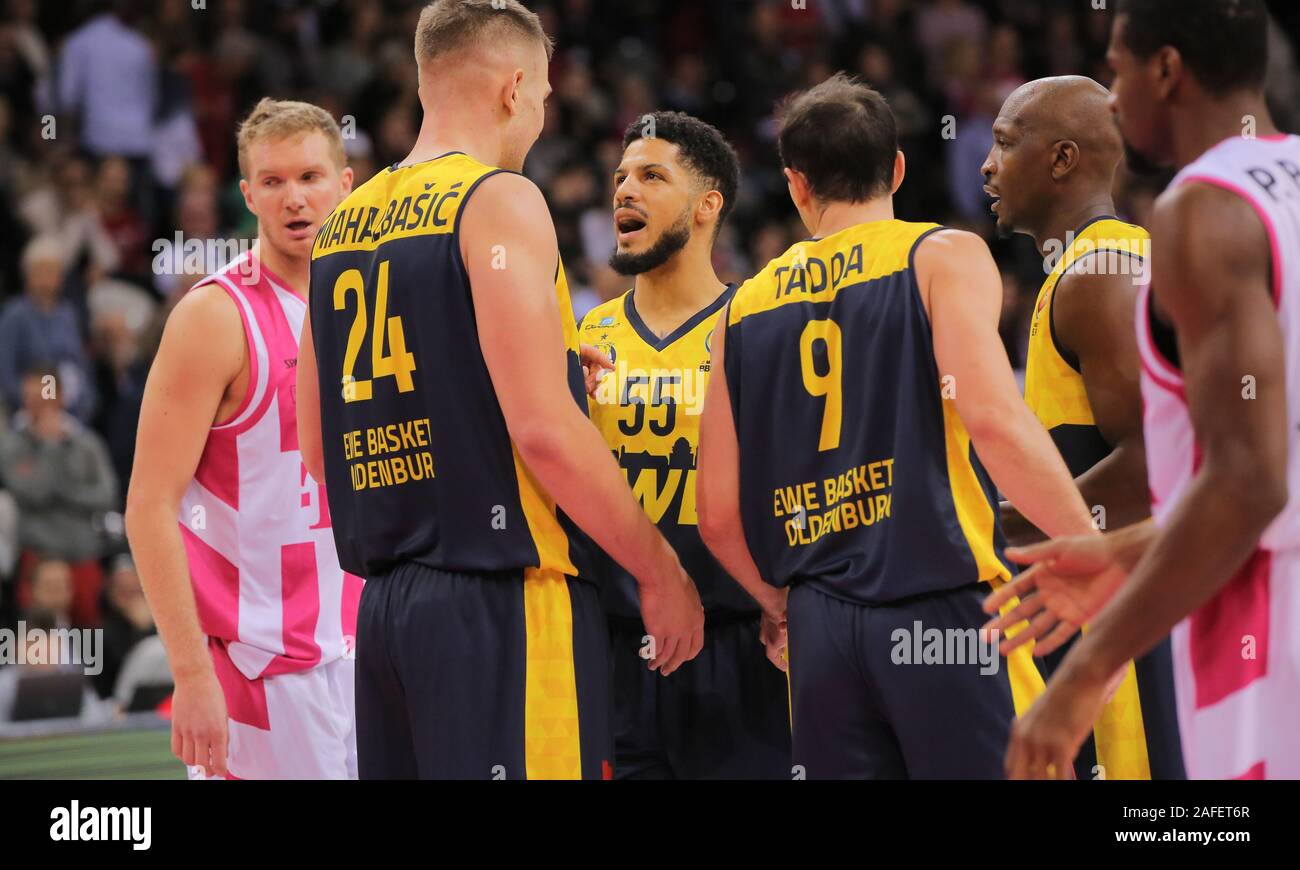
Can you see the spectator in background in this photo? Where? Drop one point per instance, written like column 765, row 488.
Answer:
column 44, row 655
column 53, row 591
column 59, row 474
column 127, row 621
column 64, row 207
column 107, row 84
column 123, row 224
column 41, row 328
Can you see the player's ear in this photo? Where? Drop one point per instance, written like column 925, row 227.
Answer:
column 247, row 192
column 900, row 172
column 346, row 178
column 512, row 92
column 797, row 183
column 710, row 206
column 1065, row 157
column 1167, row 65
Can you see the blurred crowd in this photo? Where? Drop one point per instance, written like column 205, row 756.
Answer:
column 117, row 121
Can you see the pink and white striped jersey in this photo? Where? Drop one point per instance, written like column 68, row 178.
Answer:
column 256, row 526
column 1237, row 658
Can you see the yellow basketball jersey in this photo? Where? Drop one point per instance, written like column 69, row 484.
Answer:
column 1054, row 391
column 1054, row 387
column 648, row 410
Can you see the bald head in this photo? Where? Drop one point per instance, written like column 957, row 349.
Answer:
column 1069, row 108
column 1055, row 150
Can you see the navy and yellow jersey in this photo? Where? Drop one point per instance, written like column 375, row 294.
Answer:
column 856, row 473
column 419, row 464
column 1054, row 387
column 1055, row 392
column 648, row 410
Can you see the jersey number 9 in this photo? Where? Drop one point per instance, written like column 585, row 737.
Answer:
column 828, row 384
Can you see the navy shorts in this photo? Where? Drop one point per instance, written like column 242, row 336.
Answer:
column 482, row 676
column 865, row 708
column 723, row 715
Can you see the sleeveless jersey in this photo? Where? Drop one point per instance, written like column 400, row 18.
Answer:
column 1054, row 387
column 648, row 410
column 419, row 462
column 856, row 473
column 256, row 527
column 1230, row 705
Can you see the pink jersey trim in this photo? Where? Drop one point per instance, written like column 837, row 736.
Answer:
column 1264, row 218
column 301, row 612
column 217, row 596
column 1218, row 627
column 252, row 407
column 245, row 698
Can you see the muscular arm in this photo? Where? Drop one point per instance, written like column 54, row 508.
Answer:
column 202, row 352
column 522, row 340
column 1212, row 278
column 717, row 482
column 308, row 392
column 963, row 292
column 1093, row 317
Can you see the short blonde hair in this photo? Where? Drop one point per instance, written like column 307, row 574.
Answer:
column 448, row 25
column 280, row 119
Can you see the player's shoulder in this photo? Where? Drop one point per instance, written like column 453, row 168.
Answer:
column 1203, row 216
column 501, row 197
column 761, row 283
column 947, row 245
column 605, row 315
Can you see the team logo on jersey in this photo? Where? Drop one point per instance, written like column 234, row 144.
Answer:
column 607, row 348
column 607, row 321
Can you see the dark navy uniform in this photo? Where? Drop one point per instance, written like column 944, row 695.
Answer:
column 1136, row 736
column 481, row 649
column 860, row 491
column 725, row 714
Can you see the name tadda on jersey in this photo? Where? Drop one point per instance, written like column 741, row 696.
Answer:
column 683, row 387
column 812, row 275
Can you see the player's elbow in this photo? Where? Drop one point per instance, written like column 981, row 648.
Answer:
column 136, row 516
column 717, row 523
column 541, row 442
column 995, row 421
column 1256, row 487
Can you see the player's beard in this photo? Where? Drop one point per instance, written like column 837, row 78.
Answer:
column 664, row 249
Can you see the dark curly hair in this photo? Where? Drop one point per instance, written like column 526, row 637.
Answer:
column 703, row 148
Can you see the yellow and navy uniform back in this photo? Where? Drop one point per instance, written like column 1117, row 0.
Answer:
column 1054, row 388
column 1136, row 736
column 648, row 410
column 419, row 463
column 856, row 473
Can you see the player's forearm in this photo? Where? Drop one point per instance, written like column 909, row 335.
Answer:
column 1026, row 466
column 573, row 463
column 164, row 572
column 1018, row 531
column 1207, row 539
column 1118, row 485
column 725, row 537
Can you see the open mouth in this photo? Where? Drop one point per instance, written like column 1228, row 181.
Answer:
column 629, row 225
column 299, row 228
column 997, row 200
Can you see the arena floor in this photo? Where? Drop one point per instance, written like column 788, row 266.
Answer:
column 133, row 754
